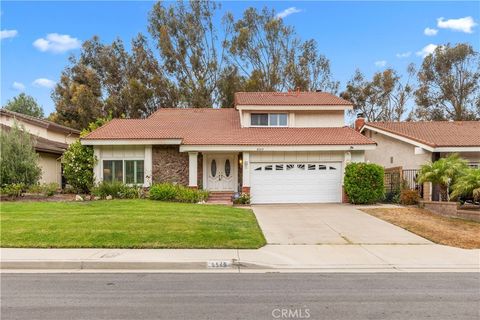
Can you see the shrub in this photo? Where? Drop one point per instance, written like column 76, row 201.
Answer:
column 190, row 195
column 444, row 172
column 117, row 190
column 49, row 189
column 18, row 159
column 177, row 193
column 13, row 190
column 364, row 183
column 467, row 185
column 163, row 192
column 78, row 162
column 244, row 198
column 409, row 197
column 35, row 188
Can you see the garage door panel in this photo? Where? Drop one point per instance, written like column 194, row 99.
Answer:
column 296, row 182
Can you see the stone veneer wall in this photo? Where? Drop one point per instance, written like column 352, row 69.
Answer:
column 171, row 165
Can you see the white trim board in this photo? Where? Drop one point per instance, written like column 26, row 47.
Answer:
column 293, row 108
column 419, row 144
column 130, row 142
column 238, row 148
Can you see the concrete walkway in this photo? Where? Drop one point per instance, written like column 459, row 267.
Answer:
column 311, row 224
column 279, row 258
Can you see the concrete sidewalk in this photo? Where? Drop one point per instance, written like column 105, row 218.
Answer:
column 278, row 258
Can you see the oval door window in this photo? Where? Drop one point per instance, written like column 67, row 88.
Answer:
column 227, row 168
column 213, row 168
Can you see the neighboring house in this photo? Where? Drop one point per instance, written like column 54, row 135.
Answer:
column 279, row 147
column 411, row 144
column 51, row 140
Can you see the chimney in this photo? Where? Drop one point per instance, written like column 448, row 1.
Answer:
column 359, row 122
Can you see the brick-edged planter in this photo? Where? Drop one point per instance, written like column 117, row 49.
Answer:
column 450, row 209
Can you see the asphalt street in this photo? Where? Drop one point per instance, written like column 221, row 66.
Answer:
column 241, row 296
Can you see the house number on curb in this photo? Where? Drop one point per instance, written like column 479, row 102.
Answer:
column 216, row 264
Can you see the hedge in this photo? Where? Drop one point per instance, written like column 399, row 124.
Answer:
column 363, row 183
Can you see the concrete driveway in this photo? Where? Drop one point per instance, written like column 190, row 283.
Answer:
column 328, row 224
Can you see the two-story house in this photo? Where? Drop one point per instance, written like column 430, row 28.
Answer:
column 51, row 140
column 279, row 147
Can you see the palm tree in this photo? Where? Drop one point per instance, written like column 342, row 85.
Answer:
column 468, row 185
column 443, row 172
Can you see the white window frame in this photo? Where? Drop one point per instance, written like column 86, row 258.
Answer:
column 268, row 117
column 124, row 169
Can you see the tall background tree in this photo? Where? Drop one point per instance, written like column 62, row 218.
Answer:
column 107, row 80
column 449, row 84
column 384, row 98
column 271, row 57
column 187, row 40
column 25, row 104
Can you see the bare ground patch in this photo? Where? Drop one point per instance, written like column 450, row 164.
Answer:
column 442, row 230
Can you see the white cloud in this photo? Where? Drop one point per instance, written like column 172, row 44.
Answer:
column 18, row 86
column 465, row 24
column 404, row 54
column 428, row 49
column 285, row 13
column 57, row 43
column 5, row 34
column 43, row 82
column 430, row 32
column 381, row 63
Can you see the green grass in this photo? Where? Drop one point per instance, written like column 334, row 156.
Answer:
column 127, row 224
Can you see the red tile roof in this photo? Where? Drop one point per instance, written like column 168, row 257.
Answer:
column 220, row 127
column 289, row 99
column 435, row 133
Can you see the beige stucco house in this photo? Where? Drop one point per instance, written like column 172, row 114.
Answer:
column 289, row 147
column 411, row 144
column 51, row 140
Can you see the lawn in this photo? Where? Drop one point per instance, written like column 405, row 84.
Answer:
column 441, row 230
column 127, row 224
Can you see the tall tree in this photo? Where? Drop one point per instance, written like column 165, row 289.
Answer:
column 25, row 104
column 107, row 80
column 310, row 71
column 449, row 84
column 77, row 96
column 189, row 49
column 384, row 98
column 272, row 57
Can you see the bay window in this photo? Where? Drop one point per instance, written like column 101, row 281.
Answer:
column 125, row 171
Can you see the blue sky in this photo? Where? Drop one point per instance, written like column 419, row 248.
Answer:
column 366, row 35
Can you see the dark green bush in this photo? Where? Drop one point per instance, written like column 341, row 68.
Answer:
column 117, row 190
column 177, row 193
column 363, row 183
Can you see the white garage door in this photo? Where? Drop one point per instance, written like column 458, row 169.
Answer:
column 309, row 182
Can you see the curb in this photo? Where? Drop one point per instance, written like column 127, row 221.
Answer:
column 118, row 265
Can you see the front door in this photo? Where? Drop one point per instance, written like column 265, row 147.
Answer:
column 221, row 173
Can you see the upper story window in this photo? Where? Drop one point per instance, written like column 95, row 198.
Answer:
column 269, row 119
